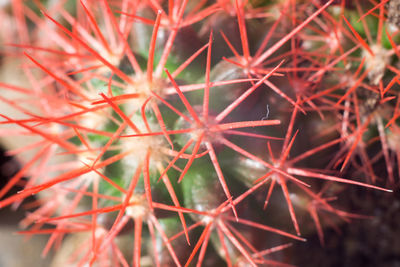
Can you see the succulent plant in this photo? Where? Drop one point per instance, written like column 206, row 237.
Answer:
column 171, row 133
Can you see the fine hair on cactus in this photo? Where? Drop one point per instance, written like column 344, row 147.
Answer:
column 199, row 133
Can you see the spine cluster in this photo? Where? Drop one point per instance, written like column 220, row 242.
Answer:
column 196, row 133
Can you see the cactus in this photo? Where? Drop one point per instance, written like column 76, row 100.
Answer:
column 182, row 133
